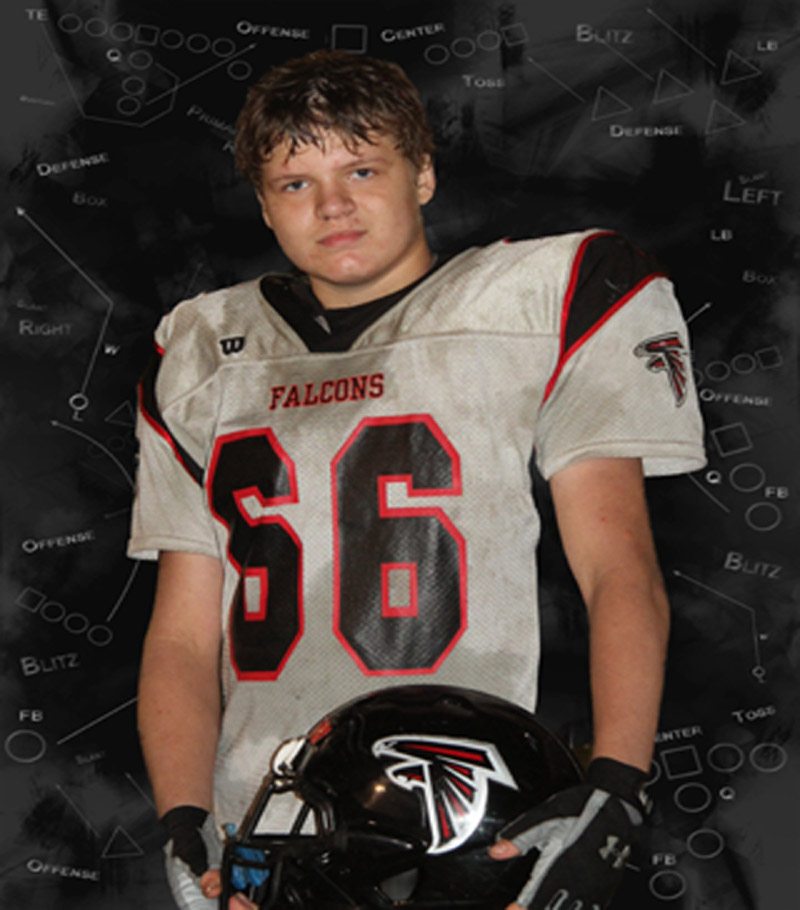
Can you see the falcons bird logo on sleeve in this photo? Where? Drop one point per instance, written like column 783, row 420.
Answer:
column 453, row 775
column 666, row 353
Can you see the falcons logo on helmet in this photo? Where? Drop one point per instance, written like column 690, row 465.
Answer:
column 453, row 775
column 667, row 353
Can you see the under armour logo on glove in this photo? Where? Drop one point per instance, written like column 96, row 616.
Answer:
column 561, row 901
column 584, row 836
column 611, row 849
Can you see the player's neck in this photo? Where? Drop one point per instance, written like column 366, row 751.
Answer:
column 335, row 295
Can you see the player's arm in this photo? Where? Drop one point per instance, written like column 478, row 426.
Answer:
column 179, row 698
column 179, row 701
column 584, row 834
column 605, row 530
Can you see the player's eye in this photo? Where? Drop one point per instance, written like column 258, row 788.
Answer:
column 293, row 186
column 363, row 172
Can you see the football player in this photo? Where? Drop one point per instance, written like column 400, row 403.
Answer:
column 334, row 476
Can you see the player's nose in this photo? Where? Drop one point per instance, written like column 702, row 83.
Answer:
column 333, row 200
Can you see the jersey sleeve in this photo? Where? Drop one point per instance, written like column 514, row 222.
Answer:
column 170, row 511
column 622, row 385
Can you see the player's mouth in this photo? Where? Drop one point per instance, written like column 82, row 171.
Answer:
column 341, row 238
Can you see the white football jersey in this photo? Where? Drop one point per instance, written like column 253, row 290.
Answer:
column 372, row 507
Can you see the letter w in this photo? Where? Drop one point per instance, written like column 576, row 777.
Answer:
column 232, row 345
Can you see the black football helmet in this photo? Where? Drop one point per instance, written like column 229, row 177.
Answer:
column 399, row 795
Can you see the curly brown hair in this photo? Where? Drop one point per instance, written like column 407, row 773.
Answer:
column 330, row 90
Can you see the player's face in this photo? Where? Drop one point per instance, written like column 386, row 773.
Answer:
column 350, row 219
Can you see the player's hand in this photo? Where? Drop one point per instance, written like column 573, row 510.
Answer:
column 194, row 855
column 211, row 884
column 583, row 834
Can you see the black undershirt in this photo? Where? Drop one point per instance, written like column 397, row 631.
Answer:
column 324, row 329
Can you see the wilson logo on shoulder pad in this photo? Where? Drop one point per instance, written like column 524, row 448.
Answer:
column 667, row 354
column 453, row 775
column 232, row 345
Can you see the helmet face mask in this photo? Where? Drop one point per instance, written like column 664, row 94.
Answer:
column 403, row 792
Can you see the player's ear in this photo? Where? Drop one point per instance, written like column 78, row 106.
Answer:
column 426, row 181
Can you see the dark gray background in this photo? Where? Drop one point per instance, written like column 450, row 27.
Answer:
column 541, row 113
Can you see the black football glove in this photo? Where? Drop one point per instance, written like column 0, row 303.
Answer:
column 193, row 847
column 584, row 835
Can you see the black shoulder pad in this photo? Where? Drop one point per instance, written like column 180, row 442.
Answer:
column 148, row 402
column 608, row 269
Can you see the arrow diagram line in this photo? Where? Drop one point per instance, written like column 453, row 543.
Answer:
column 556, row 79
column 627, row 60
column 732, row 600
column 64, row 73
column 142, row 793
column 84, row 819
column 204, row 72
column 710, row 495
column 124, row 594
column 94, row 442
column 88, row 279
column 129, row 479
column 696, row 313
column 680, row 36
column 97, row 720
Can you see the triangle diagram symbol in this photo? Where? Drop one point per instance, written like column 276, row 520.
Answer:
column 737, row 69
column 121, row 845
column 721, row 118
column 669, row 87
column 123, row 415
column 607, row 104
